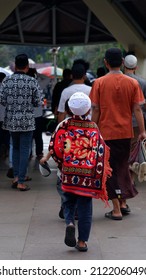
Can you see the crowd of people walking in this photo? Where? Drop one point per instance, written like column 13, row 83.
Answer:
column 91, row 142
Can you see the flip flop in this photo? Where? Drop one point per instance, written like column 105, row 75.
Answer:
column 14, row 184
column 24, row 189
column 126, row 210
column 112, row 217
column 70, row 239
column 81, row 249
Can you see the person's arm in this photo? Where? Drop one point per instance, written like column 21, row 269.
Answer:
column 95, row 113
column 95, row 101
column 61, row 106
column 2, row 95
column 45, row 158
column 140, row 121
column 36, row 94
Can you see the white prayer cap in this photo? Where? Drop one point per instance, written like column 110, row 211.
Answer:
column 79, row 103
column 130, row 61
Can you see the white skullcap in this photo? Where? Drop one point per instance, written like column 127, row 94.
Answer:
column 79, row 103
column 130, row 61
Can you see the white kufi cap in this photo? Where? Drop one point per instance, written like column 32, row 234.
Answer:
column 79, row 103
column 130, row 61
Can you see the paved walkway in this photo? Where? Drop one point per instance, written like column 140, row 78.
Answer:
column 31, row 229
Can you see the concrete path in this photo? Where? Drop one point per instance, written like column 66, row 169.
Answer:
column 30, row 228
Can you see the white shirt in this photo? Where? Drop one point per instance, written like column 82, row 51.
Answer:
column 69, row 91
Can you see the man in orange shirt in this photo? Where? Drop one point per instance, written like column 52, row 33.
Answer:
column 114, row 97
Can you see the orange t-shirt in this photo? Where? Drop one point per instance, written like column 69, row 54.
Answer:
column 115, row 94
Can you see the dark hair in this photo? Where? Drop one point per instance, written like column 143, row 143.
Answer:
column 2, row 76
column 32, row 72
column 83, row 62
column 78, row 71
column 67, row 73
column 100, row 72
column 114, row 57
column 21, row 61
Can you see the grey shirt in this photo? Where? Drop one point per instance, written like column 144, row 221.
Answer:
column 142, row 83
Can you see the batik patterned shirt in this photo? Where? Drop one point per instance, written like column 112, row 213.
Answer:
column 19, row 94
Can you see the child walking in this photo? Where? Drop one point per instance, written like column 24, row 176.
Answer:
column 82, row 157
column 46, row 158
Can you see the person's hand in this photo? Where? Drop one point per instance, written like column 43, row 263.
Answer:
column 142, row 135
column 43, row 159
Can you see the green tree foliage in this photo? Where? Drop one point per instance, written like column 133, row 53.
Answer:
column 94, row 54
column 6, row 55
column 65, row 57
